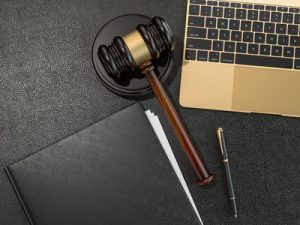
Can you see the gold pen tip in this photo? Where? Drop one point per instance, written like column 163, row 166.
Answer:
column 219, row 129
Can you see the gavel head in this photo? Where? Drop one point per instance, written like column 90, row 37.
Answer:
column 129, row 53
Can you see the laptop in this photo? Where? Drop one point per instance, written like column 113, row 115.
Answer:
column 242, row 56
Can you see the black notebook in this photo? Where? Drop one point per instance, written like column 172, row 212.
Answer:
column 114, row 172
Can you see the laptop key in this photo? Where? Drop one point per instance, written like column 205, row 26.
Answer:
column 282, row 9
column 247, row 6
column 217, row 12
column 202, row 55
column 281, row 28
column 264, row 15
column 294, row 10
column 197, row 32
column 205, row 10
column 293, row 30
column 227, row 58
column 297, row 64
column 259, row 7
column 258, row 26
column 265, row 50
column 276, row 17
column 241, row 47
column 218, row 45
column 196, row 21
column 224, row 35
column 270, row 8
column 194, row 10
column 271, row 39
column 246, row 26
column 190, row 54
column 214, row 3
column 288, row 52
column 260, row 38
column 269, row 28
column 253, row 48
column 276, row 50
column 229, row 13
column 295, row 41
column 211, row 22
column 265, row 61
column 252, row 15
column 214, row 56
column 229, row 47
column 224, row 4
column 241, row 13
column 236, row 35
column 234, row 24
column 212, row 34
column 288, row 18
column 283, row 40
column 247, row 37
column 201, row 2
column 235, row 5
column 222, row 23
column 199, row 44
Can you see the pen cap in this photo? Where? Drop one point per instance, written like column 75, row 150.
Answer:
column 221, row 138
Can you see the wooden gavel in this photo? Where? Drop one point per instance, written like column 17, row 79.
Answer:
column 135, row 52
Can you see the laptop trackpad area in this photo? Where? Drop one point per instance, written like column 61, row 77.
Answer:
column 266, row 90
column 207, row 85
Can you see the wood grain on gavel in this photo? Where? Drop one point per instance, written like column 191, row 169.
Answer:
column 176, row 124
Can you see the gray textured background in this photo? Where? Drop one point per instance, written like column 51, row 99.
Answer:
column 49, row 89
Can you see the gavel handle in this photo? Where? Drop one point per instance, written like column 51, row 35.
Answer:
column 178, row 128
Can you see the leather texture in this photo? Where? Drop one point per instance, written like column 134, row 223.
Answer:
column 49, row 90
column 113, row 172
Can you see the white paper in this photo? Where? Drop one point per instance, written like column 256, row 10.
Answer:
column 155, row 122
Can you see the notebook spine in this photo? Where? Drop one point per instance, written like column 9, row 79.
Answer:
column 16, row 190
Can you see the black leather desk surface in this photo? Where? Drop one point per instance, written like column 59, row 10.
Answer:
column 48, row 90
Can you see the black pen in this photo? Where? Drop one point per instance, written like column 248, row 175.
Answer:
column 227, row 169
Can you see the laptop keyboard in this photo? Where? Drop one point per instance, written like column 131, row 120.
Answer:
column 244, row 34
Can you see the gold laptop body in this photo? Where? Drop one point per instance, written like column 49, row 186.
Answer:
column 241, row 88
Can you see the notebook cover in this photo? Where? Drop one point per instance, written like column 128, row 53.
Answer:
column 111, row 173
